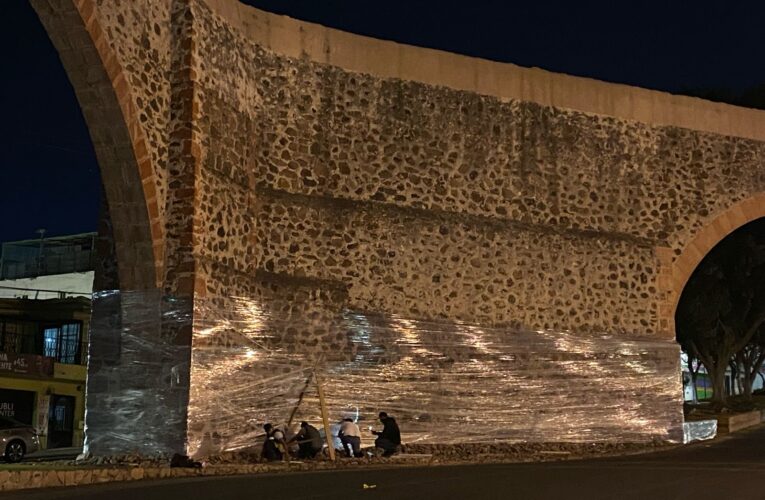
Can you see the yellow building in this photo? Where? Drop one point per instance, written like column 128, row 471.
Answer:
column 45, row 289
column 43, row 355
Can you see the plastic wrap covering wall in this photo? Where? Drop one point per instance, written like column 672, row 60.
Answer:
column 138, row 365
column 443, row 382
column 700, row 430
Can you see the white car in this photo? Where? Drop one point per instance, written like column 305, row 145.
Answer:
column 17, row 439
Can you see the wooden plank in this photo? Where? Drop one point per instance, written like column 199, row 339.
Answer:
column 300, row 399
column 325, row 418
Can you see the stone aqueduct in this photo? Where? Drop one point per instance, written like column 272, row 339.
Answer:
column 250, row 155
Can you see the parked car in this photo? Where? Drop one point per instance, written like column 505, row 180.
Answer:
column 17, row 439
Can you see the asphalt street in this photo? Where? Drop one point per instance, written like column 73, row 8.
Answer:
column 729, row 468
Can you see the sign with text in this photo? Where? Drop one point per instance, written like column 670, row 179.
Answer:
column 43, row 405
column 26, row 364
column 17, row 405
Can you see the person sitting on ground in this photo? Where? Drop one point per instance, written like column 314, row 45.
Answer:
column 308, row 440
column 274, row 438
column 389, row 439
column 350, row 436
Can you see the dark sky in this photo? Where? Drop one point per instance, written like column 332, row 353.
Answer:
column 50, row 175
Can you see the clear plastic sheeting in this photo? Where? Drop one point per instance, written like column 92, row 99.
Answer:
column 138, row 365
column 444, row 382
column 165, row 375
column 700, row 430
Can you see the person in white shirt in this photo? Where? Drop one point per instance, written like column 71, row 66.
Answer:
column 350, row 436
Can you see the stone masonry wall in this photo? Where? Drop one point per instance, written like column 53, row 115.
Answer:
column 291, row 202
column 139, row 32
column 320, row 130
column 358, row 177
column 424, row 202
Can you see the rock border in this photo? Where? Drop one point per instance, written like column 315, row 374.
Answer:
column 416, row 455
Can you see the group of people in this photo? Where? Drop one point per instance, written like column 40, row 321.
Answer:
column 310, row 442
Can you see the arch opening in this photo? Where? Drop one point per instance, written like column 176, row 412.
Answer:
column 61, row 141
column 129, row 313
column 112, row 122
column 720, row 322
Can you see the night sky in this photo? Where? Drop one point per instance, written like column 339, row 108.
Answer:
column 50, row 176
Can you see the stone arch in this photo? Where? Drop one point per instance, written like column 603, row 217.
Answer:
column 707, row 237
column 118, row 139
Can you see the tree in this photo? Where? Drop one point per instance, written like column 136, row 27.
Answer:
column 723, row 305
column 750, row 360
column 694, row 365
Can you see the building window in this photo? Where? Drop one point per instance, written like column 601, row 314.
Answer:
column 62, row 342
column 18, row 337
column 50, row 342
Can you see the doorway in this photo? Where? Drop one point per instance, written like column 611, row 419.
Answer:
column 61, row 421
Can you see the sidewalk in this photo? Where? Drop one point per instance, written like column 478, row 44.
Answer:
column 53, row 454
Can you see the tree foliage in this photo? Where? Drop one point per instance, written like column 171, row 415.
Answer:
column 749, row 361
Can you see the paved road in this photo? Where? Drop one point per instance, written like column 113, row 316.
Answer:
column 731, row 468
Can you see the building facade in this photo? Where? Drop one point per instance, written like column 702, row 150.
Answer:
column 44, row 323
column 48, row 268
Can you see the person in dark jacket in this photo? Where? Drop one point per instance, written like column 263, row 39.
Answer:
column 389, row 439
column 309, row 441
column 274, row 438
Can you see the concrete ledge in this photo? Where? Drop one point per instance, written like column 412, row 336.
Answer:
column 732, row 423
column 29, row 478
column 23, row 479
column 46, row 475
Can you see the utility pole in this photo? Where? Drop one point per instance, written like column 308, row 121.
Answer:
column 41, row 232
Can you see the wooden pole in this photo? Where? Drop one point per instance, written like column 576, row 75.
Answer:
column 325, row 418
column 300, row 399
